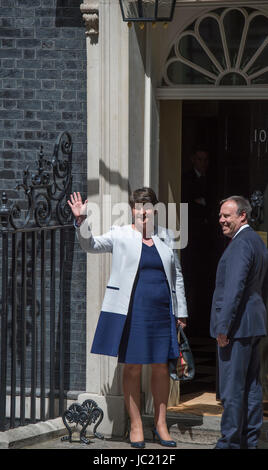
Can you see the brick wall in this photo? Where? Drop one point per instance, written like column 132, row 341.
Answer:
column 42, row 93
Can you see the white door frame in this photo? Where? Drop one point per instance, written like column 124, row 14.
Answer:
column 191, row 92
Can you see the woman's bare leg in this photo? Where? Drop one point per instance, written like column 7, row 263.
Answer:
column 132, row 391
column 160, row 385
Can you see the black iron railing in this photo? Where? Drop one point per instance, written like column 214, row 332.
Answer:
column 36, row 242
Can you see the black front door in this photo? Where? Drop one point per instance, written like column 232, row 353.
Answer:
column 243, row 169
column 243, row 149
column 234, row 134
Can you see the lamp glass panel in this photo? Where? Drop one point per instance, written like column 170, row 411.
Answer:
column 164, row 8
column 130, row 8
column 148, row 7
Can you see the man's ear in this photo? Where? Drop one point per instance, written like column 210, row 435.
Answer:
column 244, row 216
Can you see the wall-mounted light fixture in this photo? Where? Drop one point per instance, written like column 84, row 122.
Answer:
column 152, row 11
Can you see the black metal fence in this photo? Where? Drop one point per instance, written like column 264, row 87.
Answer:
column 36, row 243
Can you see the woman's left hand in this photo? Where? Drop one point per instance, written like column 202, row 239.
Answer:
column 181, row 322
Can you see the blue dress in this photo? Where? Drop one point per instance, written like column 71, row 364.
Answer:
column 149, row 334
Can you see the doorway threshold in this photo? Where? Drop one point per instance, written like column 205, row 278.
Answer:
column 204, row 404
column 200, row 404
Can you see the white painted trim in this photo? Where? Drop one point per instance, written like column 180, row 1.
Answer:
column 212, row 93
column 147, row 110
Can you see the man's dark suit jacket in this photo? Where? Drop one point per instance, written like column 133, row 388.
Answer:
column 238, row 305
column 194, row 187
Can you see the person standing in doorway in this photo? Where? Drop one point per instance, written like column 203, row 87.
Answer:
column 195, row 258
column 238, row 321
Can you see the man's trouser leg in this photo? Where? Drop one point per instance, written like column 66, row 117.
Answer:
column 235, row 368
column 253, row 409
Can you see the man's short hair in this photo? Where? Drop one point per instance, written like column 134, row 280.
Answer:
column 243, row 205
column 197, row 149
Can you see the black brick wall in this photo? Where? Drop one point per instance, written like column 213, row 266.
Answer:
column 42, row 93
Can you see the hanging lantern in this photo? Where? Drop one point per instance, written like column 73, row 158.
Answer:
column 147, row 10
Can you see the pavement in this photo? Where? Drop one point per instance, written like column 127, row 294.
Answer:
column 193, row 424
column 109, row 444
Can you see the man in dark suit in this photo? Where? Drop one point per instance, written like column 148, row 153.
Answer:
column 238, row 321
column 195, row 257
column 195, row 189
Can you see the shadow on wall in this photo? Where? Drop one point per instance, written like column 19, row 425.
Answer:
column 68, row 14
column 117, row 414
column 110, row 176
column 114, row 177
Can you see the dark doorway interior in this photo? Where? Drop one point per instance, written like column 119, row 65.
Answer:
column 234, row 136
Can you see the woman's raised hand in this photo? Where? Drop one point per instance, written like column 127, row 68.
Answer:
column 77, row 206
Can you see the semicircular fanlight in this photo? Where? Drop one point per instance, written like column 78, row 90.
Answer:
column 225, row 47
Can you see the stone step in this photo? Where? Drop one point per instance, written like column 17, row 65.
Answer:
column 188, row 428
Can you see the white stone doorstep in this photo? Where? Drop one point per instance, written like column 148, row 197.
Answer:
column 17, row 437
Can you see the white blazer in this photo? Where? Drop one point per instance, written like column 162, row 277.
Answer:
column 125, row 244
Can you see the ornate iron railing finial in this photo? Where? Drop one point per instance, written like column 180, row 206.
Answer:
column 46, row 191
